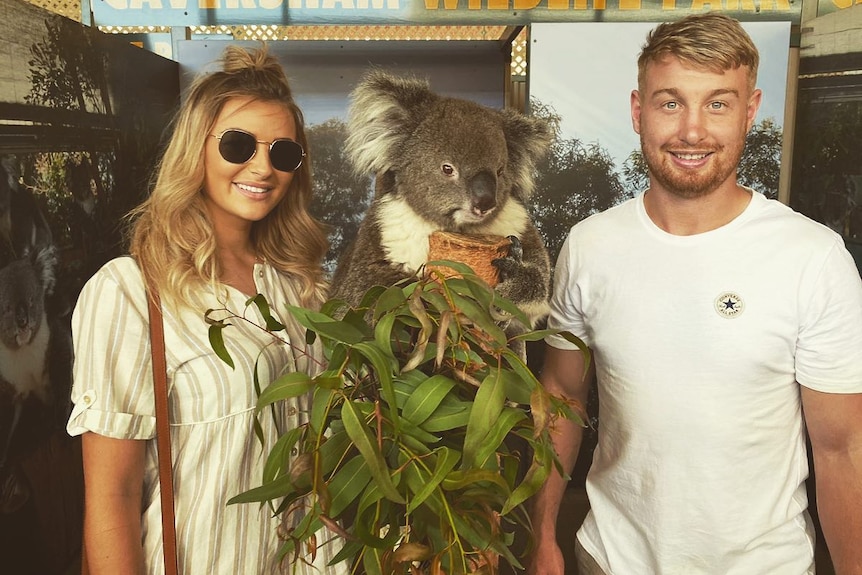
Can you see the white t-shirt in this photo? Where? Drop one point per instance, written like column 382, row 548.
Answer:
column 215, row 451
column 699, row 342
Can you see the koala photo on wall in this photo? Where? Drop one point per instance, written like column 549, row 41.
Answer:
column 442, row 164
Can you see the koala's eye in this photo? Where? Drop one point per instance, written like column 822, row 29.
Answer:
column 448, row 169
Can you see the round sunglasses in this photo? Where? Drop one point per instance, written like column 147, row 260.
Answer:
column 238, row 147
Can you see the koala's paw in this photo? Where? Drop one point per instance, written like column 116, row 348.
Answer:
column 510, row 266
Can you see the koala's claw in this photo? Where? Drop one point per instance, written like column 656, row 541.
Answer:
column 510, row 264
column 516, row 251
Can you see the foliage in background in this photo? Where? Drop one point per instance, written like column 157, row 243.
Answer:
column 340, row 196
column 573, row 181
column 826, row 182
column 422, row 425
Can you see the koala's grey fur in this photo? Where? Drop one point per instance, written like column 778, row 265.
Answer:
column 446, row 164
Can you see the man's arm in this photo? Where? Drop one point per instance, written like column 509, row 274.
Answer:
column 563, row 374
column 834, row 423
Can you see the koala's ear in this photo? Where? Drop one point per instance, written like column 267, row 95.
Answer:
column 528, row 140
column 383, row 114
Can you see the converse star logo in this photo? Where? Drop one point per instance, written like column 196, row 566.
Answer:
column 729, row 305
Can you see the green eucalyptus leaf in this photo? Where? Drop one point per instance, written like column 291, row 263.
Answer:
column 533, row 480
column 481, row 317
column 279, row 487
column 518, row 385
column 217, row 343
column 384, row 368
column 446, row 460
column 498, row 432
column 367, row 446
column 460, row 479
column 383, row 334
column 447, row 417
column 322, row 400
column 277, row 459
column 460, row 267
column 389, row 300
column 326, row 326
column 262, row 304
column 287, row 386
column 347, row 484
column 332, row 450
column 484, row 413
column 427, row 397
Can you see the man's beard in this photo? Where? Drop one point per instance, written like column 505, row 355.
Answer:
column 693, row 183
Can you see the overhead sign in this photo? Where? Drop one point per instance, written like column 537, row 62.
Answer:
column 829, row 6
column 424, row 12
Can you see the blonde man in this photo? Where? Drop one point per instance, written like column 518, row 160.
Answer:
column 722, row 325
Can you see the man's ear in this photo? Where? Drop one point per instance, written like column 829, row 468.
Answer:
column 635, row 101
column 753, row 106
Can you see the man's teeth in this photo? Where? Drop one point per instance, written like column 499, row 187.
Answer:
column 691, row 156
column 251, row 189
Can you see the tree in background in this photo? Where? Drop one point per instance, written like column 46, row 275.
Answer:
column 574, row 181
column 341, row 198
column 760, row 165
column 826, row 183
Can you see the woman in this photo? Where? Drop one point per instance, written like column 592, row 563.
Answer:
column 227, row 218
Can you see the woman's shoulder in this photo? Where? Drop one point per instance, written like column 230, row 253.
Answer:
column 121, row 275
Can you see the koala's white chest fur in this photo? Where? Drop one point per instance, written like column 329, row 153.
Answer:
column 25, row 367
column 404, row 233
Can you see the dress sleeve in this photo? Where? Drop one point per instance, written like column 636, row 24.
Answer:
column 112, row 389
column 829, row 344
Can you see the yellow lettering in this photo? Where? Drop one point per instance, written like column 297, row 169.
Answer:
column 781, row 5
column 270, row 4
column 344, row 4
column 379, row 4
column 630, row 4
column 214, row 4
column 447, row 4
column 498, row 4
column 842, row 4
column 118, row 4
column 558, row 4
column 530, row 4
column 697, row 5
column 139, row 4
column 474, row 4
column 668, row 4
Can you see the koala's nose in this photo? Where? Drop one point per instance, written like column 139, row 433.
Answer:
column 483, row 192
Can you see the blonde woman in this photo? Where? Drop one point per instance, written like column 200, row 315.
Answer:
column 227, row 218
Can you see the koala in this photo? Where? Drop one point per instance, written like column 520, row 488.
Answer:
column 444, row 164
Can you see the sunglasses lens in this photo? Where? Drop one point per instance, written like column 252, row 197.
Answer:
column 285, row 155
column 237, row 147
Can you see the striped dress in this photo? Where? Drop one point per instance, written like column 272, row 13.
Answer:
column 216, row 453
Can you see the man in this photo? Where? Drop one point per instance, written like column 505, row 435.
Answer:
column 716, row 318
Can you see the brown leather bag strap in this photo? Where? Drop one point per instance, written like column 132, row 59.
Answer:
column 163, row 432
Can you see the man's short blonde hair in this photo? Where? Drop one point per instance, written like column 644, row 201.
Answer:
column 710, row 41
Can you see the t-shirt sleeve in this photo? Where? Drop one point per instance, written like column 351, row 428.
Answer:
column 565, row 300
column 829, row 345
column 112, row 391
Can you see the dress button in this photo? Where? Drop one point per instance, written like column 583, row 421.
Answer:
column 291, row 410
column 260, row 274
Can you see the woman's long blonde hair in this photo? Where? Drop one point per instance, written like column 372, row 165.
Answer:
column 172, row 236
